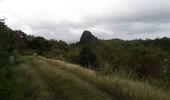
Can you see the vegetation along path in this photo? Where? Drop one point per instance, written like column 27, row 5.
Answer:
column 47, row 79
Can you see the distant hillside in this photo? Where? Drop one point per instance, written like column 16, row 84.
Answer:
column 145, row 58
column 105, row 70
column 142, row 58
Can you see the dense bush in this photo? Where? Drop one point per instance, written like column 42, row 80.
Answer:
column 146, row 61
column 39, row 44
column 73, row 57
column 143, row 60
column 87, row 57
column 7, row 76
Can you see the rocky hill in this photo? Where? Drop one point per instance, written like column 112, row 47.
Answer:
column 87, row 37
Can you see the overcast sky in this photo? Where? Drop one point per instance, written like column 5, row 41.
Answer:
column 106, row 19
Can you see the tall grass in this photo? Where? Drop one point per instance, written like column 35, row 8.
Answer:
column 48, row 79
column 61, row 84
column 122, row 89
column 30, row 86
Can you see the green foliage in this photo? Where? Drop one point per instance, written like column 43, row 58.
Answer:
column 5, row 39
column 20, row 42
column 87, row 57
column 7, row 76
column 7, row 72
column 146, row 61
column 62, row 45
column 142, row 58
column 73, row 57
column 4, row 58
column 39, row 44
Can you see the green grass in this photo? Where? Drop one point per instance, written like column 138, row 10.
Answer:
column 47, row 79
column 30, row 86
column 60, row 84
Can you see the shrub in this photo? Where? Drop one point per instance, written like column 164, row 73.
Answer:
column 146, row 61
column 87, row 57
column 7, row 76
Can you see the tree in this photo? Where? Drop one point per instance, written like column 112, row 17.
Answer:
column 39, row 44
column 2, row 22
column 146, row 61
column 87, row 57
column 62, row 45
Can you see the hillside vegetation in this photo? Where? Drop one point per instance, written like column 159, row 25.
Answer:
column 105, row 69
column 47, row 79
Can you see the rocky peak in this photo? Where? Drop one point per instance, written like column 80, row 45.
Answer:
column 88, row 37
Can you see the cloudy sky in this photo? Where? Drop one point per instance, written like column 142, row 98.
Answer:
column 67, row 19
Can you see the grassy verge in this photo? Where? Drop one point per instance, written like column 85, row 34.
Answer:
column 122, row 89
column 48, row 79
column 60, row 84
column 67, row 85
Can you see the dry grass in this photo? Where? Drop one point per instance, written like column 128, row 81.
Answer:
column 122, row 89
column 71, row 82
column 63, row 85
column 30, row 86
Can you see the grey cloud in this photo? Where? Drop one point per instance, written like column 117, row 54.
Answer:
column 51, row 30
column 63, row 31
column 148, row 11
column 137, row 27
column 149, row 17
column 143, row 18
